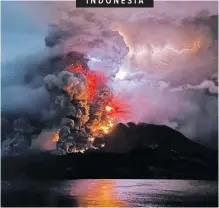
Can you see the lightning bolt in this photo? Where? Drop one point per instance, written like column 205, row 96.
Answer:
column 170, row 48
column 155, row 52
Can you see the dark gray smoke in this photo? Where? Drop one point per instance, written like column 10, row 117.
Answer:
column 183, row 95
column 33, row 116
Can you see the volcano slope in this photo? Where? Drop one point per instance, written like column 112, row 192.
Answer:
column 131, row 151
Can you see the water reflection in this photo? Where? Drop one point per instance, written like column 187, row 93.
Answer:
column 142, row 193
column 100, row 193
column 110, row 193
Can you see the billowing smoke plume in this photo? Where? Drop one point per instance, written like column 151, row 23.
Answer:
column 162, row 61
column 75, row 111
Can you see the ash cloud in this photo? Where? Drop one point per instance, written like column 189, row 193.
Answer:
column 90, row 33
column 41, row 108
column 43, row 142
column 182, row 95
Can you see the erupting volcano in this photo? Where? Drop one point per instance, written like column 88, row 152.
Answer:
column 89, row 107
column 94, row 72
column 100, row 93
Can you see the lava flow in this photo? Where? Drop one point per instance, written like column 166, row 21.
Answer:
column 94, row 113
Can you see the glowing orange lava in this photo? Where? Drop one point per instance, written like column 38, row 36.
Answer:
column 55, row 136
column 102, row 127
column 118, row 108
column 94, row 79
column 108, row 108
column 107, row 113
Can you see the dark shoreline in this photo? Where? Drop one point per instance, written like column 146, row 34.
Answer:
column 144, row 163
column 131, row 151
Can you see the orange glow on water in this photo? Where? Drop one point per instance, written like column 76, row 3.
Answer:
column 101, row 194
